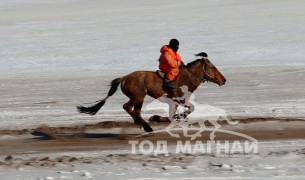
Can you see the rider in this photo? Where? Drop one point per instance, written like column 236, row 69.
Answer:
column 170, row 61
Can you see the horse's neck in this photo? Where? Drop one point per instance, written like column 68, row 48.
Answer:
column 192, row 77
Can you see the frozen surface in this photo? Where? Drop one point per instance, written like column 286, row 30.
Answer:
column 55, row 54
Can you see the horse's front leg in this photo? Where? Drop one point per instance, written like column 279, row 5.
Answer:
column 189, row 108
column 172, row 112
column 156, row 118
column 172, row 116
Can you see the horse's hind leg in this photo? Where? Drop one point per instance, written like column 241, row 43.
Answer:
column 133, row 107
column 190, row 108
column 138, row 117
column 129, row 108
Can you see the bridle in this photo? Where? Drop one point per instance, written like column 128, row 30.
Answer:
column 205, row 75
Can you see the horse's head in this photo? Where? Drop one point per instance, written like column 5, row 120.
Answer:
column 210, row 72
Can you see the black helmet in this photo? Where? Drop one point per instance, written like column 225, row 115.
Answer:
column 174, row 44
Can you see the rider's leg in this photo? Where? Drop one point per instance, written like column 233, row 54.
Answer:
column 169, row 78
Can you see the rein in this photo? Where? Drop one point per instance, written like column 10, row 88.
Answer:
column 204, row 78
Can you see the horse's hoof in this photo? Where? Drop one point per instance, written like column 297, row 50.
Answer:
column 151, row 133
column 155, row 118
column 147, row 128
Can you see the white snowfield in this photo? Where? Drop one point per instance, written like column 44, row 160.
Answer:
column 56, row 54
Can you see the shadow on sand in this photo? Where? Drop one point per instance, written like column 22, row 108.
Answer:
column 49, row 136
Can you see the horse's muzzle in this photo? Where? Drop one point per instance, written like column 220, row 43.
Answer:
column 222, row 82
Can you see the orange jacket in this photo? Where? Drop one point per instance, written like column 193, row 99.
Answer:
column 169, row 59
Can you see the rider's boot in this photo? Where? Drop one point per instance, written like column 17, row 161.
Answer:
column 168, row 84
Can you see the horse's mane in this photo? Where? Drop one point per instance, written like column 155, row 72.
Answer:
column 194, row 63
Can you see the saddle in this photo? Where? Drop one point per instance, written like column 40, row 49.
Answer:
column 165, row 84
column 160, row 74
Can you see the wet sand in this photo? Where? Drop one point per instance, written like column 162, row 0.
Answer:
column 111, row 135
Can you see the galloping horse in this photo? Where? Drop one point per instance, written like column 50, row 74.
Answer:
column 138, row 84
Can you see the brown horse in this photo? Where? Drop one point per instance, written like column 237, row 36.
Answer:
column 138, row 84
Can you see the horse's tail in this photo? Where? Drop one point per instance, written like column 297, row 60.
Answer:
column 92, row 110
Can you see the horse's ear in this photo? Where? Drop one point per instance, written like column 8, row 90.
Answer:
column 202, row 54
